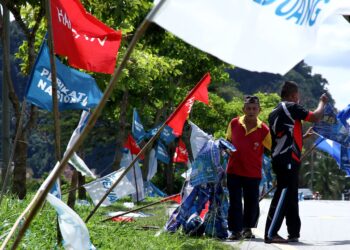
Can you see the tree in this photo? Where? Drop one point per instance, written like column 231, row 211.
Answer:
column 29, row 25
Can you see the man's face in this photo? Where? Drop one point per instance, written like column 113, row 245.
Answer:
column 296, row 97
column 251, row 110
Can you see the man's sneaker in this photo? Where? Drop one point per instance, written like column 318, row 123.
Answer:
column 248, row 234
column 275, row 239
column 235, row 236
column 293, row 239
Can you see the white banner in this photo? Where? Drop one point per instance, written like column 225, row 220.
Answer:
column 257, row 35
column 99, row 187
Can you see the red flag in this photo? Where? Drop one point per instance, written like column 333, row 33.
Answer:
column 181, row 154
column 199, row 93
column 87, row 42
column 131, row 144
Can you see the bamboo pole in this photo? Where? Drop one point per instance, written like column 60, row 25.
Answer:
column 40, row 196
column 140, row 208
column 148, row 144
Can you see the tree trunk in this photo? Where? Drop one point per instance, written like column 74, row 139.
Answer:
column 121, row 130
column 169, row 171
column 19, row 173
column 81, row 190
column 72, row 194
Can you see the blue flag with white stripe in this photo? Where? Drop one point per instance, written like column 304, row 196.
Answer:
column 137, row 129
column 75, row 89
column 340, row 153
column 162, row 153
column 166, row 135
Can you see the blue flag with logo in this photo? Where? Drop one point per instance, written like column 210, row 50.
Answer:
column 166, row 135
column 332, row 128
column 137, row 129
column 162, row 153
column 340, row 153
column 75, row 89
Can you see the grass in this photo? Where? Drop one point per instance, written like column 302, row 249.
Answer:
column 104, row 235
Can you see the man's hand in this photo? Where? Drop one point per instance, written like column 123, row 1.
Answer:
column 324, row 98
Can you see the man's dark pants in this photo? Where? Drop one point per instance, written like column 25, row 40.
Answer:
column 249, row 187
column 285, row 201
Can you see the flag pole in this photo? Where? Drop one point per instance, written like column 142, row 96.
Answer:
column 136, row 186
column 140, row 208
column 150, row 142
column 40, row 196
column 54, row 95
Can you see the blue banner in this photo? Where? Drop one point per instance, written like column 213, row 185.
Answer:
column 340, row 153
column 332, row 128
column 75, row 89
column 162, row 153
column 344, row 115
column 166, row 135
column 137, row 129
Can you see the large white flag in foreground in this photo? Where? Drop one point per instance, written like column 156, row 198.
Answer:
column 74, row 231
column 257, row 35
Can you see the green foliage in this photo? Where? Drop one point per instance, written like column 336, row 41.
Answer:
column 325, row 176
column 104, row 235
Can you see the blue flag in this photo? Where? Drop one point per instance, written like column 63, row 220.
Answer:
column 162, row 153
column 166, row 135
column 75, row 89
column 137, row 129
column 332, row 128
column 340, row 153
column 344, row 115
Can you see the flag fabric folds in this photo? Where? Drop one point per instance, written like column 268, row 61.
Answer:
column 200, row 93
column 75, row 160
column 340, row 153
column 75, row 89
column 344, row 115
column 181, row 154
column 257, row 35
column 333, row 128
column 198, row 139
column 74, row 231
column 152, row 165
column 137, row 129
column 99, row 187
column 134, row 175
column 131, row 144
column 162, row 153
column 87, row 42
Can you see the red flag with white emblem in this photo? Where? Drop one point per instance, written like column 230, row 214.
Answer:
column 199, row 93
column 87, row 42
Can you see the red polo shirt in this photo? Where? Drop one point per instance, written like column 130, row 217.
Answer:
column 247, row 160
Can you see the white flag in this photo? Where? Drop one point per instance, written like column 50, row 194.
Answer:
column 73, row 229
column 99, row 187
column 125, row 162
column 152, row 165
column 75, row 160
column 80, row 165
column 198, row 139
column 257, row 35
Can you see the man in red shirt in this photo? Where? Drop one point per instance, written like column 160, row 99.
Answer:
column 249, row 135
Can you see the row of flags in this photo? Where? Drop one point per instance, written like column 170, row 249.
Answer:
column 246, row 30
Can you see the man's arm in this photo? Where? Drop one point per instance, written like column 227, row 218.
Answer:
column 317, row 114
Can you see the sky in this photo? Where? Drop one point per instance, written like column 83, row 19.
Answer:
column 331, row 58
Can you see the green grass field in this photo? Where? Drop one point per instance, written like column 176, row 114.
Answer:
column 42, row 233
